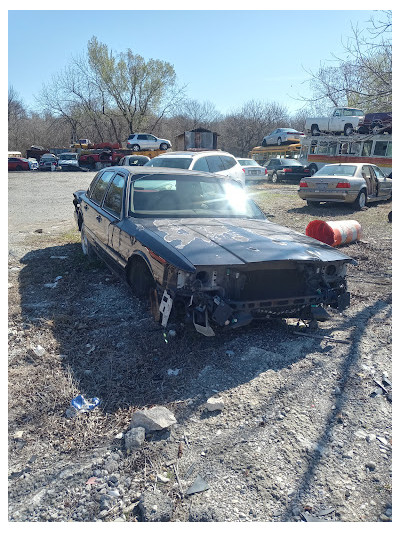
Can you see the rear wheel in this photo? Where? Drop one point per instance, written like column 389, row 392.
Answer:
column 274, row 178
column 87, row 248
column 313, row 169
column 135, row 147
column 376, row 128
column 361, row 200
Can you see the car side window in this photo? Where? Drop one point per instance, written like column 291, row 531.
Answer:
column 100, row 186
column 215, row 163
column 228, row 162
column 142, row 137
column 114, row 196
column 379, row 172
column 201, row 164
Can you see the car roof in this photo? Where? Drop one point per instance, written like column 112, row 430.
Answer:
column 170, row 172
column 188, row 153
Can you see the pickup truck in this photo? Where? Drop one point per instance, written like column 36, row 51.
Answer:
column 341, row 120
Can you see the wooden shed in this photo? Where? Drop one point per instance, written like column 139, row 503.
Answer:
column 197, row 139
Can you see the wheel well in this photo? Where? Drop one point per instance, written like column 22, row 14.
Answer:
column 137, row 261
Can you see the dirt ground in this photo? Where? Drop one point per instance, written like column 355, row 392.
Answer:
column 305, row 432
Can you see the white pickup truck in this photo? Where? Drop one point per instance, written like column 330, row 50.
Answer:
column 341, row 120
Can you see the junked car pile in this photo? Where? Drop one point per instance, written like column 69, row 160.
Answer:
column 200, row 252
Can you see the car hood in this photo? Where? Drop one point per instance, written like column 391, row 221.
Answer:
column 193, row 242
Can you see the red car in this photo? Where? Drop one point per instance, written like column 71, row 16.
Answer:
column 18, row 163
column 103, row 156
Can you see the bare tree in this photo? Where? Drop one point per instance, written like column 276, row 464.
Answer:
column 364, row 77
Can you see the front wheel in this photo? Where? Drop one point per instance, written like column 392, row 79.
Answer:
column 140, row 279
column 361, row 200
column 376, row 128
column 279, row 141
column 315, row 130
column 274, row 178
column 313, row 169
column 163, row 146
column 348, row 130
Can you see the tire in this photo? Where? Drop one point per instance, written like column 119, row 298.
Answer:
column 279, row 141
column 390, row 216
column 312, row 203
column 275, row 178
column 87, row 248
column 135, row 147
column 140, row 279
column 313, row 169
column 348, row 130
column 376, row 128
column 361, row 200
column 163, row 146
column 315, row 130
column 264, row 143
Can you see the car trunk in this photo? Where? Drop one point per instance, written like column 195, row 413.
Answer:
column 324, row 183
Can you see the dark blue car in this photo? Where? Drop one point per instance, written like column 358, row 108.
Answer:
column 193, row 245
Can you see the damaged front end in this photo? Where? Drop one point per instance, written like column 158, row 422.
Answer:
column 230, row 297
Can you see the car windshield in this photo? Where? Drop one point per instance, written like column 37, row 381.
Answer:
column 188, row 196
column 336, row 170
column 248, row 163
column 353, row 113
column 68, row 157
column 170, row 162
column 290, row 130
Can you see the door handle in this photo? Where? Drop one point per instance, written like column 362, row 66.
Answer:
column 99, row 218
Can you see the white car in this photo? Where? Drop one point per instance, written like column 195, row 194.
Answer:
column 134, row 160
column 146, row 141
column 252, row 170
column 282, row 136
column 220, row 163
column 69, row 159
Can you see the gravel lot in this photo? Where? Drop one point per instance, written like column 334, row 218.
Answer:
column 305, row 430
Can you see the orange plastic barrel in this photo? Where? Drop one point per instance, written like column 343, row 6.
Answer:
column 334, row 233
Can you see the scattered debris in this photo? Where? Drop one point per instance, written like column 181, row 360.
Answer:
column 153, row 419
column 214, row 404
column 199, row 485
column 38, row 350
column 134, row 438
column 18, row 434
column 323, row 337
column 80, row 404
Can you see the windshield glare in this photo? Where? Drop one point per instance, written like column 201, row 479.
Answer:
column 170, row 162
column 336, row 170
column 185, row 196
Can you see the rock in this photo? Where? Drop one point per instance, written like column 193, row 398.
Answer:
column 360, row 434
column 162, row 479
column 371, row 437
column 382, row 440
column 214, row 404
column 348, row 454
column 155, row 507
column 370, row 465
column 153, row 419
column 134, row 438
column 384, row 518
column 111, row 465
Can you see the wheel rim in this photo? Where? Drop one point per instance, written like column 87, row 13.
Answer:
column 274, row 178
column 362, row 200
column 348, row 131
column 279, row 141
column 135, row 148
column 163, row 146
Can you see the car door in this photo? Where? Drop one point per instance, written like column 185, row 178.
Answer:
column 370, row 180
column 112, row 213
column 152, row 142
column 384, row 183
column 272, row 137
column 92, row 211
column 336, row 120
column 143, row 142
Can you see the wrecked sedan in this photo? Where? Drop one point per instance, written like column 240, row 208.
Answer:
column 194, row 246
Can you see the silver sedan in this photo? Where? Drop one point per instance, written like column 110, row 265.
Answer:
column 283, row 136
column 356, row 183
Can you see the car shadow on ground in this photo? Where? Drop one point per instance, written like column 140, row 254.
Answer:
column 331, row 209
column 114, row 349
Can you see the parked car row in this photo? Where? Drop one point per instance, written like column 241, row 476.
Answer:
column 21, row 163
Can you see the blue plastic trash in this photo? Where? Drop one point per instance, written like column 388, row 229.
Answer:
column 81, row 404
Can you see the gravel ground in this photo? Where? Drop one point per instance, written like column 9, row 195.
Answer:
column 305, row 429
